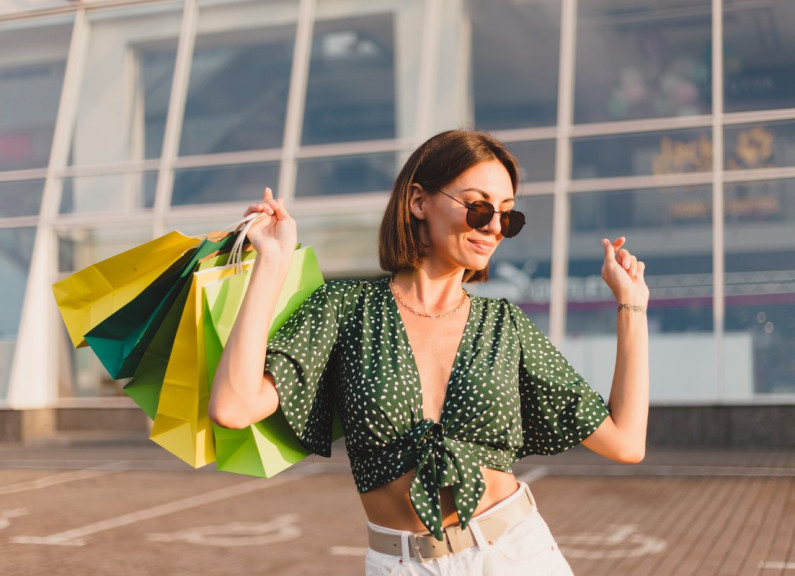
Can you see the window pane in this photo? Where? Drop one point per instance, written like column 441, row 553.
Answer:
column 82, row 374
column 126, row 86
column 515, row 53
column 351, row 90
column 20, row 198
column 759, row 55
column 244, row 183
column 671, row 152
column 536, row 160
column 760, row 145
column 670, row 230
column 240, row 78
column 760, row 285
column 16, row 249
column 156, row 63
column 109, row 193
column 642, row 59
column 346, row 175
column 32, row 64
column 520, row 269
column 346, row 244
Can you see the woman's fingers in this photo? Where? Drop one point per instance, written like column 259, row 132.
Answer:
column 268, row 205
column 615, row 254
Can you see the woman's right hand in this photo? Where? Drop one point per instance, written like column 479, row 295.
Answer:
column 273, row 234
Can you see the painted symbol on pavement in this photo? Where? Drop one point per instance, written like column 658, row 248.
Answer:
column 236, row 533
column 618, row 541
column 7, row 515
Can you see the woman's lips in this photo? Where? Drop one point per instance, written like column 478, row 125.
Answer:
column 482, row 246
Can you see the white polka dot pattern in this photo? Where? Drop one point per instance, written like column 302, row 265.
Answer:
column 510, row 394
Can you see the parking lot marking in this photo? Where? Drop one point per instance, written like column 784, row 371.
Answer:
column 76, row 536
column 280, row 529
column 7, row 515
column 620, row 541
column 777, row 565
column 56, row 479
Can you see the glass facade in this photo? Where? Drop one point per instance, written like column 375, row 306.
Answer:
column 32, row 69
column 642, row 59
column 121, row 122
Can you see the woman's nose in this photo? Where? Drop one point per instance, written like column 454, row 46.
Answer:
column 493, row 225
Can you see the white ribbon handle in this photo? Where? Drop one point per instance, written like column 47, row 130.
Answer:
column 241, row 228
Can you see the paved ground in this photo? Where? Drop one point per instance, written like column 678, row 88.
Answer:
column 85, row 507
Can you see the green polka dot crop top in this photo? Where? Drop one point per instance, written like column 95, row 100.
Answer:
column 510, row 394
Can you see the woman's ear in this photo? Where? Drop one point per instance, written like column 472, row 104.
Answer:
column 417, row 202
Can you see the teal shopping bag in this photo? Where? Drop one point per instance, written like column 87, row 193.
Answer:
column 120, row 340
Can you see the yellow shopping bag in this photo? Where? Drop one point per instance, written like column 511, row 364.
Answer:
column 89, row 296
column 181, row 424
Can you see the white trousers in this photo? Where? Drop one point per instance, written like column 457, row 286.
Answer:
column 526, row 549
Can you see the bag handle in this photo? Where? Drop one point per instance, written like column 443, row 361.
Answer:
column 241, row 228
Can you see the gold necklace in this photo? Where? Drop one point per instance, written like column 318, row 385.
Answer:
column 408, row 307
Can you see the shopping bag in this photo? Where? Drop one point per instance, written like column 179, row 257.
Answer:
column 270, row 446
column 121, row 339
column 181, row 424
column 145, row 385
column 87, row 297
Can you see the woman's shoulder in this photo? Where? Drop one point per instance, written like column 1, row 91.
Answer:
column 505, row 313
column 345, row 288
column 496, row 305
column 345, row 294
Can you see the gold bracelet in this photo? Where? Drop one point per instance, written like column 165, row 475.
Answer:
column 632, row 308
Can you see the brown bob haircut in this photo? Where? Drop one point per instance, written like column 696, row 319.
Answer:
column 435, row 164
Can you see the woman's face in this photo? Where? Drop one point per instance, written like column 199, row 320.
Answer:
column 450, row 242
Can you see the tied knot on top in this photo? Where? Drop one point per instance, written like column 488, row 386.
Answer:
column 443, row 462
column 428, row 431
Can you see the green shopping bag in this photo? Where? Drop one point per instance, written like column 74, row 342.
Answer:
column 145, row 386
column 270, row 446
column 121, row 339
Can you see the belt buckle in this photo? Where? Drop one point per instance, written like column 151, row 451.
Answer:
column 455, row 538
column 415, row 548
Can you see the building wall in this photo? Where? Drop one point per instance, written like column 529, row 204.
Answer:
column 661, row 120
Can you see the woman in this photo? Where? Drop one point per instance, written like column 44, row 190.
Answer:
column 439, row 392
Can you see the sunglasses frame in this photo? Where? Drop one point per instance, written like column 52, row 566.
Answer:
column 505, row 215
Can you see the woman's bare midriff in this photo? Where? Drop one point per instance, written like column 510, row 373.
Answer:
column 389, row 505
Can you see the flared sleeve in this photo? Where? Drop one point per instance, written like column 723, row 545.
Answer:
column 299, row 357
column 558, row 408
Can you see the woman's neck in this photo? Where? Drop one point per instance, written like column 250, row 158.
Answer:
column 429, row 292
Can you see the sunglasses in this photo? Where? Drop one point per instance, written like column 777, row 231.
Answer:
column 480, row 213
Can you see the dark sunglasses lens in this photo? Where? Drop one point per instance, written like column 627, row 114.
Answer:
column 479, row 214
column 511, row 223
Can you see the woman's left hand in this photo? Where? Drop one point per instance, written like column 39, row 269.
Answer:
column 623, row 273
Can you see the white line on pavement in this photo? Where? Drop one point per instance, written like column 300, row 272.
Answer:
column 777, row 565
column 62, row 478
column 76, row 536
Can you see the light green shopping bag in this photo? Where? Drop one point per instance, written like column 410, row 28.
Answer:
column 270, row 446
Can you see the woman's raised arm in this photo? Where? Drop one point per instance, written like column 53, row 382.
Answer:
column 241, row 394
column 622, row 436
